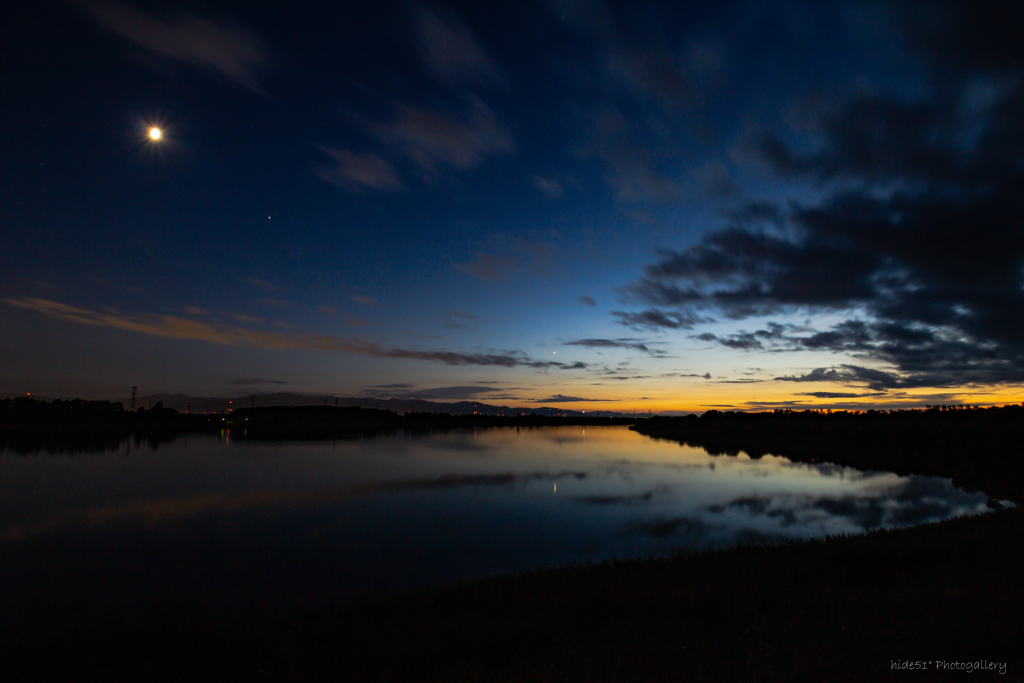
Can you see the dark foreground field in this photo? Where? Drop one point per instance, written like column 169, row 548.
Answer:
column 839, row 609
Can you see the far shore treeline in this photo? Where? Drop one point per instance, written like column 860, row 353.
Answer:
column 757, row 433
column 29, row 425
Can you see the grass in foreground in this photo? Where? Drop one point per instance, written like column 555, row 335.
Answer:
column 837, row 609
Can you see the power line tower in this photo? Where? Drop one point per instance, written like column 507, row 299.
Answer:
column 132, row 404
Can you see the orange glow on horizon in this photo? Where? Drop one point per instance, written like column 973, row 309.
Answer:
column 700, row 397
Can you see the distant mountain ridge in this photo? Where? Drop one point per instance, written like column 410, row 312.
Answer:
column 206, row 404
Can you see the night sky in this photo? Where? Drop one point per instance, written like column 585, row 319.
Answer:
column 607, row 206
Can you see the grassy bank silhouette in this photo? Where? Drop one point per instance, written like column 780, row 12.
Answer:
column 837, row 609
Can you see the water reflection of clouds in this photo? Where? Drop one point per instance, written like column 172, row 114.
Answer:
column 561, row 439
column 164, row 510
column 462, row 445
column 761, row 468
column 906, row 502
column 693, row 532
column 765, row 468
column 622, row 499
column 690, row 529
column 910, row 501
column 395, row 510
column 659, row 464
column 625, row 496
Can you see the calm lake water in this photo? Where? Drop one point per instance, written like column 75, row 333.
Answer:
column 235, row 528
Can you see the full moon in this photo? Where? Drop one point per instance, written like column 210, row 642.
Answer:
column 155, row 133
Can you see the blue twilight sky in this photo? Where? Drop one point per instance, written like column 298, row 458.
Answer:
column 669, row 205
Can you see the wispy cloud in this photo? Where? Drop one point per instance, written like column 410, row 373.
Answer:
column 551, row 188
column 559, row 398
column 488, row 267
column 262, row 284
column 455, row 393
column 181, row 328
column 654, row 319
column 236, row 53
column 878, row 380
column 452, row 318
column 454, row 135
column 841, row 394
column 622, row 343
column 352, row 171
column 504, row 255
column 254, row 381
column 706, row 375
column 452, row 52
column 435, row 140
column 654, row 91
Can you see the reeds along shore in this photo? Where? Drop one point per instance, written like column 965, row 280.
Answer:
column 979, row 448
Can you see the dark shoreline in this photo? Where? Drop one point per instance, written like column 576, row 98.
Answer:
column 30, row 426
column 316, row 422
column 980, row 449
